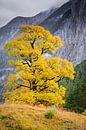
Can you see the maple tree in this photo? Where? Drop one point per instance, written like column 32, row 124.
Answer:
column 35, row 77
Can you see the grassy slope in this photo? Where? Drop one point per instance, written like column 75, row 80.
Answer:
column 25, row 117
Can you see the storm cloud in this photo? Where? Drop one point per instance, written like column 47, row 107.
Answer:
column 12, row 8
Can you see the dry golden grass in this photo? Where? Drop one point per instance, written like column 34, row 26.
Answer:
column 25, row 117
column 78, row 119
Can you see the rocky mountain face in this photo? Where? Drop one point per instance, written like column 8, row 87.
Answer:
column 68, row 21
column 73, row 32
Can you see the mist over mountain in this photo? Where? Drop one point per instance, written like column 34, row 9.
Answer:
column 68, row 21
column 10, row 9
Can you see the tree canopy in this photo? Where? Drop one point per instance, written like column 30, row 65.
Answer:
column 35, row 77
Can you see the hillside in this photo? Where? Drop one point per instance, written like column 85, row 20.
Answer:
column 25, row 117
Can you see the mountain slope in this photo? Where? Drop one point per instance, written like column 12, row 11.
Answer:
column 68, row 21
column 73, row 32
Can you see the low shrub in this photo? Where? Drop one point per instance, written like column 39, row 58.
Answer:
column 51, row 113
column 84, row 113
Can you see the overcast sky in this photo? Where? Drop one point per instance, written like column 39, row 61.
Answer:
column 12, row 8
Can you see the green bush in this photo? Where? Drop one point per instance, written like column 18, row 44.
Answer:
column 51, row 113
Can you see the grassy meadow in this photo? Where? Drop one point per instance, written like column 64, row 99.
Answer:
column 25, row 117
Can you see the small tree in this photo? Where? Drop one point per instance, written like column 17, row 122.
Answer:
column 35, row 77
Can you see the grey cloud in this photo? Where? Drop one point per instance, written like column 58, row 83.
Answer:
column 12, row 8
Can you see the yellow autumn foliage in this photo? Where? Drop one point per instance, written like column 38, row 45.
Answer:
column 35, row 78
